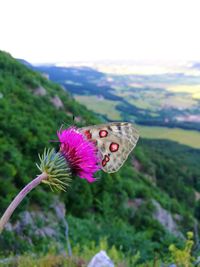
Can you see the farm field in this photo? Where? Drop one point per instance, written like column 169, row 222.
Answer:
column 186, row 137
column 193, row 90
column 169, row 98
column 107, row 108
column 101, row 106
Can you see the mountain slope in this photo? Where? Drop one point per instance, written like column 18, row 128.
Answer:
column 32, row 109
column 159, row 178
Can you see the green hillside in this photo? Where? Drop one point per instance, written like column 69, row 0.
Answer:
column 122, row 210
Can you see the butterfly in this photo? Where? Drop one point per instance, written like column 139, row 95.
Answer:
column 114, row 142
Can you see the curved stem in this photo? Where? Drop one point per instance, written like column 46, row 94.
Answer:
column 17, row 200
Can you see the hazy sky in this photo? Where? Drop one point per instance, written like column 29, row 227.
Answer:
column 77, row 30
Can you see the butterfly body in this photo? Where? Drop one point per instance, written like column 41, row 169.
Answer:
column 114, row 142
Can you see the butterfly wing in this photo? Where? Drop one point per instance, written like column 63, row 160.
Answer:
column 114, row 141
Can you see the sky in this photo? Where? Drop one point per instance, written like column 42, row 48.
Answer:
column 42, row 31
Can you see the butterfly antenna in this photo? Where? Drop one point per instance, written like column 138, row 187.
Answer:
column 67, row 125
column 61, row 127
column 74, row 120
column 64, row 125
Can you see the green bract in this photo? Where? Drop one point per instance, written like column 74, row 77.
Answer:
column 55, row 165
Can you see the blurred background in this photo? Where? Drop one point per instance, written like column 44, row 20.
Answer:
column 101, row 61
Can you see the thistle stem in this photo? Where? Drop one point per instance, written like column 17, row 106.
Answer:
column 17, row 200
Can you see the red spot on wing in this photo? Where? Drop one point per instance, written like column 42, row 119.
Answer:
column 88, row 134
column 103, row 133
column 114, row 147
column 106, row 158
column 104, row 162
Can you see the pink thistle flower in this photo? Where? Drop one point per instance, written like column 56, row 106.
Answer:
column 80, row 153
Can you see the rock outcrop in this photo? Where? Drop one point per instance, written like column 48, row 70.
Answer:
column 43, row 225
column 40, row 91
column 57, row 102
column 166, row 219
column 101, row 259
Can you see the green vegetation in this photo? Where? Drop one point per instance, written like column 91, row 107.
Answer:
column 119, row 212
column 182, row 257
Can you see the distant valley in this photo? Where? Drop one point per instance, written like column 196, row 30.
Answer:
column 152, row 98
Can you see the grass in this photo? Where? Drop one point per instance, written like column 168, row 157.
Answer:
column 101, row 106
column 186, row 137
